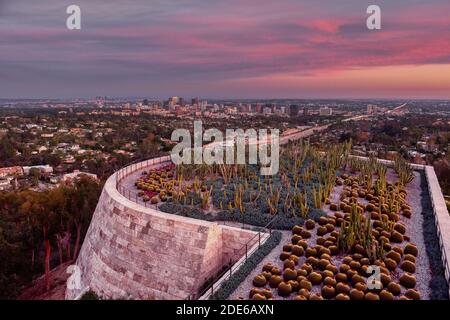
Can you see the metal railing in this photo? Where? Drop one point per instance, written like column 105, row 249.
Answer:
column 440, row 233
column 133, row 195
column 234, row 264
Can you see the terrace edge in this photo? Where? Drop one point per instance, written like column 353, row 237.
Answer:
column 134, row 252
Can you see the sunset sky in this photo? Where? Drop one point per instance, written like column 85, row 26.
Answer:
column 225, row 49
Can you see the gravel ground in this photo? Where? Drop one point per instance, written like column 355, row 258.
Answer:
column 273, row 257
column 428, row 266
column 415, row 231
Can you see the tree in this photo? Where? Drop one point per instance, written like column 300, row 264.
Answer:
column 7, row 150
column 81, row 204
column 35, row 174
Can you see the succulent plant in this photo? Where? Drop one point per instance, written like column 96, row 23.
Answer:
column 371, row 296
column 322, row 230
column 396, row 237
column 310, row 224
column 267, row 293
column 342, row 296
column 361, row 286
column 334, row 250
column 259, row 281
column 297, row 230
column 412, row 294
column 254, row 291
column 275, row 271
column 297, row 250
column 304, row 292
column 295, row 285
column 307, row 267
column 284, row 289
column 305, row 284
column 302, row 272
column 356, row 294
column 315, row 296
column 411, row 249
column 408, row 266
column 385, row 279
column 305, row 234
column 344, row 268
column 386, row 295
column 296, row 238
column 328, row 292
column 311, row 252
column 341, row 277
column 313, row 261
column 315, row 278
column 289, row 274
column 268, row 267
column 288, row 263
column 329, row 281
column 342, row 288
column 394, row 256
column 322, row 264
column 154, row 200
column 394, row 288
column 303, row 244
column 259, row 296
column 356, row 278
column 409, row 257
column 390, row 264
column 275, row 280
column 284, row 255
column 332, row 268
column 400, row 227
column 408, row 280
column 325, row 256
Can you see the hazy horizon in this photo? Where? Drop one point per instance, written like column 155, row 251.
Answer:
column 292, row 49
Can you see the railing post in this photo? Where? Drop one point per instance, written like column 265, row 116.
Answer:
column 259, row 239
column 245, row 252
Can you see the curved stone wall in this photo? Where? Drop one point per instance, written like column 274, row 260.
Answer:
column 133, row 252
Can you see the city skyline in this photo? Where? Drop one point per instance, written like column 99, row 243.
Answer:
column 216, row 49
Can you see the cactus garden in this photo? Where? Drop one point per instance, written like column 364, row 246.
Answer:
column 353, row 229
column 367, row 247
column 239, row 193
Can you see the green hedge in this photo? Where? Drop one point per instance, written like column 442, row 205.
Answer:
column 231, row 284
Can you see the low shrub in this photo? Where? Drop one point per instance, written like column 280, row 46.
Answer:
column 90, row 295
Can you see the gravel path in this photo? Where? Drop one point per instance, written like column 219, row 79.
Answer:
column 415, row 231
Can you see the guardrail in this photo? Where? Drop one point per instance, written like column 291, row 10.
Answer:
column 133, row 195
column 441, row 218
column 244, row 252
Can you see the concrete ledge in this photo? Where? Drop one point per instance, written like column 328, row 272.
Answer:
column 134, row 252
column 442, row 218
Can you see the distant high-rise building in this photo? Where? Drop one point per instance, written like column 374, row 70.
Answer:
column 326, row 111
column 267, row 110
column 371, row 109
column 294, row 110
column 174, row 100
column 195, row 101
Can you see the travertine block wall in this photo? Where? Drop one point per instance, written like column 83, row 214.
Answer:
column 133, row 252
